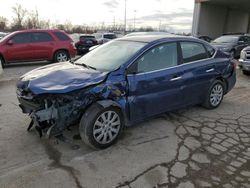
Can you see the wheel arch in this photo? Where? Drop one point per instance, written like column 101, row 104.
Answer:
column 60, row 49
column 110, row 103
column 224, row 81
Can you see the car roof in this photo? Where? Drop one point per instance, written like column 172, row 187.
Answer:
column 37, row 30
column 151, row 38
column 86, row 35
column 236, row 35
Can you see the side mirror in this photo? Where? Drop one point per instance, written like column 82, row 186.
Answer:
column 132, row 69
column 10, row 42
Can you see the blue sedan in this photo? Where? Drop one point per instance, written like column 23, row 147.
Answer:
column 123, row 82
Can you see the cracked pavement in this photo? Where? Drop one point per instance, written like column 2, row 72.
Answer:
column 188, row 148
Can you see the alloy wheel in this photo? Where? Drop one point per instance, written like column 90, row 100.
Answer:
column 106, row 127
column 216, row 95
column 62, row 57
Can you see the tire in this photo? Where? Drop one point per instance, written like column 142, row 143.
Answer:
column 2, row 62
column 95, row 132
column 217, row 89
column 246, row 72
column 61, row 56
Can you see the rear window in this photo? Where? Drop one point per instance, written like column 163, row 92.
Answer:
column 109, row 36
column 192, row 51
column 87, row 37
column 210, row 50
column 61, row 36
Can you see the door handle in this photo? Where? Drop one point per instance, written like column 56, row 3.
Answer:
column 176, row 78
column 210, row 70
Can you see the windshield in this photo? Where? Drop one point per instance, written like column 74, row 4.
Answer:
column 109, row 36
column 227, row 39
column 111, row 55
column 3, row 37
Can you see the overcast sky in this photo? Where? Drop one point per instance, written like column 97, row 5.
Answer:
column 174, row 15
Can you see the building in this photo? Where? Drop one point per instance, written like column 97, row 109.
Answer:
column 216, row 17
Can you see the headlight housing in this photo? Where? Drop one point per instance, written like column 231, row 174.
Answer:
column 243, row 55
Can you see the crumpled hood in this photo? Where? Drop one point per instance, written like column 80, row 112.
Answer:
column 60, row 78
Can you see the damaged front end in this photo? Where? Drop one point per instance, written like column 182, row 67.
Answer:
column 53, row 113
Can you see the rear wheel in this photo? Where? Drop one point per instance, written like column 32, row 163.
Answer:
column 215, row 95
column 61, row 56
column 245, row 72
column 2, row 63
column 100, row 127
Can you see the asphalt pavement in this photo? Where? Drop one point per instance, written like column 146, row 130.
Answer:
column 192, row 147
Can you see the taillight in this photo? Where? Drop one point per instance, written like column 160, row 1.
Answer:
column 234, row 64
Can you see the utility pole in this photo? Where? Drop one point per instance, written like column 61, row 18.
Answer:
column 134, row 18
column 125, row 17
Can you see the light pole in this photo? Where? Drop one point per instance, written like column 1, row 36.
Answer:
column 125, row 17
column 134, row 18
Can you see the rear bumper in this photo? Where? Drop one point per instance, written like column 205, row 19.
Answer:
column 72, row 53
column 231, row 81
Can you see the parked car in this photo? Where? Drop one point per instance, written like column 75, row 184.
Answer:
column 85, row 42
column 232, row 44
column 104, row 37
column 205, row 38
column 123, row 82
column 36, row 45
column 244, row 61
column 2, row 34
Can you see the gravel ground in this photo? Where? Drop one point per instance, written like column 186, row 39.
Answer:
column 188, row 148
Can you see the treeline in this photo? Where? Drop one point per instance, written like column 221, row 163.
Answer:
column 29, row 19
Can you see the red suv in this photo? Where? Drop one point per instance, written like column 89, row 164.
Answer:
column 36, row 45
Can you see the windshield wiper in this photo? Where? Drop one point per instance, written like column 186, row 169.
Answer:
column 87, row 66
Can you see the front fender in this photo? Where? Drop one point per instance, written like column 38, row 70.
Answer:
column 110, row 103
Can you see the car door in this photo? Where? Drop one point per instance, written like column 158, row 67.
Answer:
column 154, row 82
column 198, row 70
column 19, row 48
column 43, row 44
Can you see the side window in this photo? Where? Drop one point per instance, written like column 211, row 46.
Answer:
column 247, row 39
column 210, row 50
column 21, row 38
column 192, row 51
column 61, row 36
column 41, row 37
column 159, row 57
column 242, row 39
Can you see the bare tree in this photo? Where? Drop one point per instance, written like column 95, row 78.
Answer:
column 20, row 14
column 32, row 22
column 68, row 26
column 3, row 23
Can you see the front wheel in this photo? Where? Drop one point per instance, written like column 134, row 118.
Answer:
column 100, row 127
column 215, row 95
column 61, row 56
